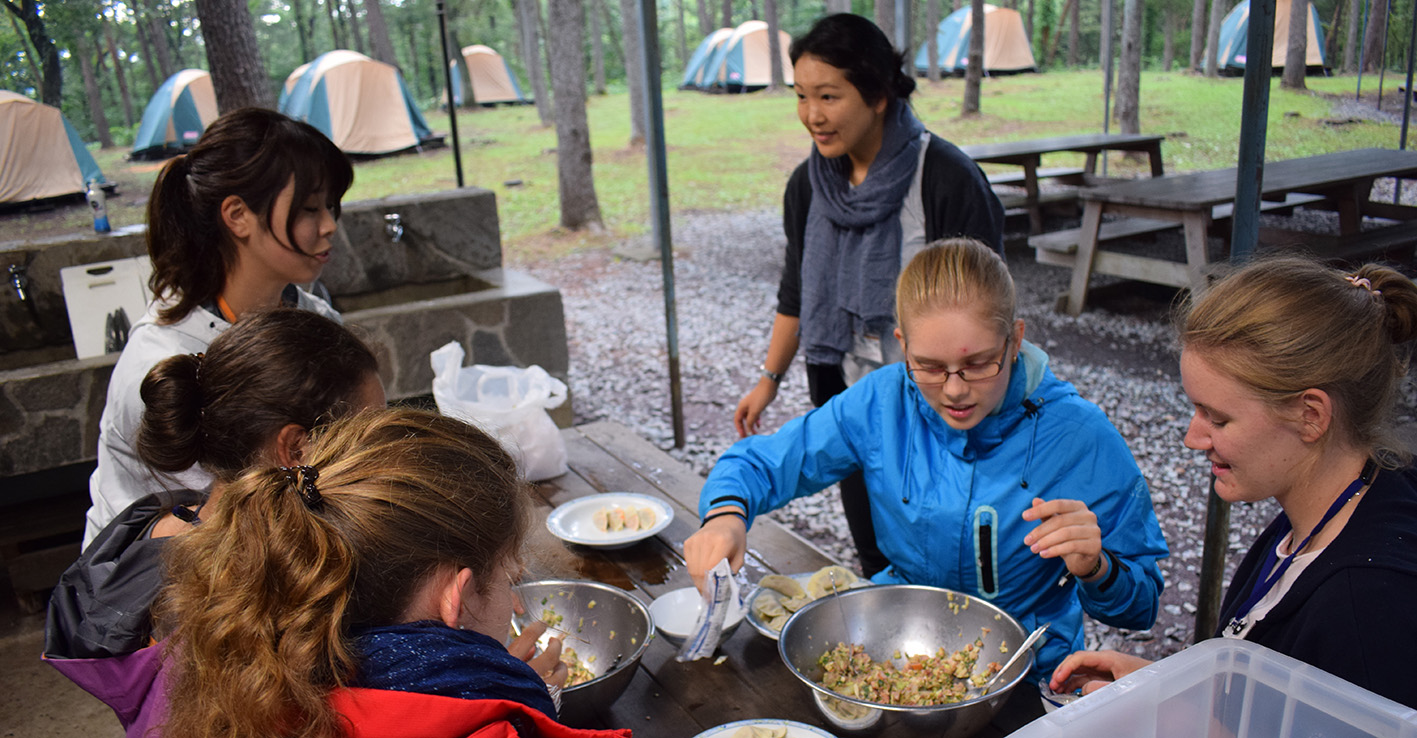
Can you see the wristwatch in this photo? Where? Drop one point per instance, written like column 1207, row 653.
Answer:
column 774, row 376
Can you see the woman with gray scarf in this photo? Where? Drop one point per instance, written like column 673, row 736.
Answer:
column 875, row 189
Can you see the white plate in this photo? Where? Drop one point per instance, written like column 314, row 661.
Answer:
column 794, row 729
column 676, row 612
column 572, row 522
column 758, row 623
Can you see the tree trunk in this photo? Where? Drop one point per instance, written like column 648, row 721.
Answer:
column 575, row 176
column 1374, row 40
column 1350, row 45
column 529, row 21
column 52, row 83
column 1218, row 9
column 597, row 52
column 416, row 69
column 974, row 68
column 1298, row 46
column 336, row 30
column 1028, row 20
column 885, row 18
column 379, row 41
column 1197, row 33
column 634, row 70
column 355, row 31
column 932, row 40
column 1331, row 41
column 705, row 18
column 302, row 31
column 100, row 120
column 1169, row 20
column 777, row 79
column 727, row 13
column 119, row 74
column 1073, row 40
column 238, row 76
column 157, row 35
column 842, row 6
column 31, row 58
column 1129, row 72
column 149, row 62
column 683, row 33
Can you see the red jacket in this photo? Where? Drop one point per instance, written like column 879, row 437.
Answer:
column 380, row 713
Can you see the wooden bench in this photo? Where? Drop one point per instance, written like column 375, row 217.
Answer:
column 1066, row 175
column 1057, row 248
column 1396, row 240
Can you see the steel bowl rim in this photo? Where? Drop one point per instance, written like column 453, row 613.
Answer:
column 640, row 606
column 998, row 690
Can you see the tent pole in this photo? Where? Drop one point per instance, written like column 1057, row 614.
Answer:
column 659, row 200
column 1245, row 221
column 448, row 80
column 1107, row 74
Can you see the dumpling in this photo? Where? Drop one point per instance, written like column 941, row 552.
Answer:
column 786, row 585
column 646, row 516
column 768, row 605
column 761, row 731
column 632, row 520
column 821, row 582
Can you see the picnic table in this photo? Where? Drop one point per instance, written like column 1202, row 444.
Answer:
column 1029, row 155
column 666, row 698
column 1341, row 181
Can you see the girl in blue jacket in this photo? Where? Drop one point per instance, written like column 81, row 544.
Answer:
column 987, row 474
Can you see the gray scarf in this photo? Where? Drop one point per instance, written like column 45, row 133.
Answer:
column 851, row 250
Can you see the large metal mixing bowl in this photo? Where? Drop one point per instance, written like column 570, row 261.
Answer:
column 909, row 619
column 607, row 628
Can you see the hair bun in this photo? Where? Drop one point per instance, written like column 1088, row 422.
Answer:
column 1398, row 296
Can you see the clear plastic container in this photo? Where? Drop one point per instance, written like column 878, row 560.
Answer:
column 1229, row 688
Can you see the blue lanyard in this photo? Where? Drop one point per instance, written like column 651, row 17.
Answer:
column 1266, row 583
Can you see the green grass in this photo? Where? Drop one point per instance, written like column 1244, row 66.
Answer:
column 735, row 152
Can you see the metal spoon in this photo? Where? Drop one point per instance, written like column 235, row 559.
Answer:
column 1027, row 644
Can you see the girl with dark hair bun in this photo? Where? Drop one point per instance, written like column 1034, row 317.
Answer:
column 875, row 190
column 252, row 398
column 233, row 226
column 1293, row 368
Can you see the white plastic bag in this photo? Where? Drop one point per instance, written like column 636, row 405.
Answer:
column 508, row 402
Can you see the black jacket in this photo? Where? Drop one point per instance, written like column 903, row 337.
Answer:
column 1353, row 610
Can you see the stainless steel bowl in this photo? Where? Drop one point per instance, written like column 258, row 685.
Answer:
column 608, row 628
column 912, row 620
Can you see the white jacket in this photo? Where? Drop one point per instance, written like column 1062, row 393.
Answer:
column 121, row 477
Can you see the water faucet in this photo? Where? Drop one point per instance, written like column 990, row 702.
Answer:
column 20, row 280
column 393, row 227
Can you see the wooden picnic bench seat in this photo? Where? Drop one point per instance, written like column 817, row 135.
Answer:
column 1395, row 240
column 1058, row 247
column 1067, row 175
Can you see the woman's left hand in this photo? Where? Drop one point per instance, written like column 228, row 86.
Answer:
column 548, row 664
column 1068, row 529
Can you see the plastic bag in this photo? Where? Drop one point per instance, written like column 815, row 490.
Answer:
column 508, row 402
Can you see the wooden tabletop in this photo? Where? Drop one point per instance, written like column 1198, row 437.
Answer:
column 1314, row 174
column 667, row 698
column 1002, row 151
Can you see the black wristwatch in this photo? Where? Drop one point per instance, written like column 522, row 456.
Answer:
column 774, row 376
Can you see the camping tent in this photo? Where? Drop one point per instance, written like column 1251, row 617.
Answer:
column 694, row 70
column 492, row 80
column 741, row 62
column 1006, row 48
column 41, row 155
column 176, row 115
column 1234, row 29
column 361, row 104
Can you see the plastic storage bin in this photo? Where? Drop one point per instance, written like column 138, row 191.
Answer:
column 1223, row 688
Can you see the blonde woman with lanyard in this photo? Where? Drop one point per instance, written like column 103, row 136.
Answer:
column 233, row 226
column 1293, row 368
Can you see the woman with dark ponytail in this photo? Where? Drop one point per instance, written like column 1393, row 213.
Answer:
column 1294, row 368
column 367, row 591
column 875, row 190
column 233, row 226
column 251, row 398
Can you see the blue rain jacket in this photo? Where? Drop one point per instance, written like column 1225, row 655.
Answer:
column 948, row 504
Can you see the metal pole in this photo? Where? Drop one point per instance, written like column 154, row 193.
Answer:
column 1217, row 538
column 1382, row 55
column 659, row 200
column 1362, row 49
column 1106, row 75
column 1406, row 105
column 903, row 34
column 448, row 80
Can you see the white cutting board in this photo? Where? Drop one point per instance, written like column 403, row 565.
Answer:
column 92, row 292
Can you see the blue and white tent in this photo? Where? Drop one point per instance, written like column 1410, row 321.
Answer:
column 176, row 115
column 1006, row 48
column 1234, row 35
column 492, row 79
column 363, row 105
column 742, row 63
column 694, row 70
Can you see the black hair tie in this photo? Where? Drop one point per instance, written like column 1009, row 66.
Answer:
column 303, row 478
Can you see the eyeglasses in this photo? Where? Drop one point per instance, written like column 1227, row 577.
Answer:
column 971, row 373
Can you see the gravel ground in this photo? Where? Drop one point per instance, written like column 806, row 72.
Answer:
column 1120, row 354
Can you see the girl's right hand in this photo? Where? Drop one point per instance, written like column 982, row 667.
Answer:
column 548, row 664
column 1093, row 670
column 751, row 407
column 725, row 537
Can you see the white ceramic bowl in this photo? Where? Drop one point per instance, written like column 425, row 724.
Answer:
column 674, row 614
